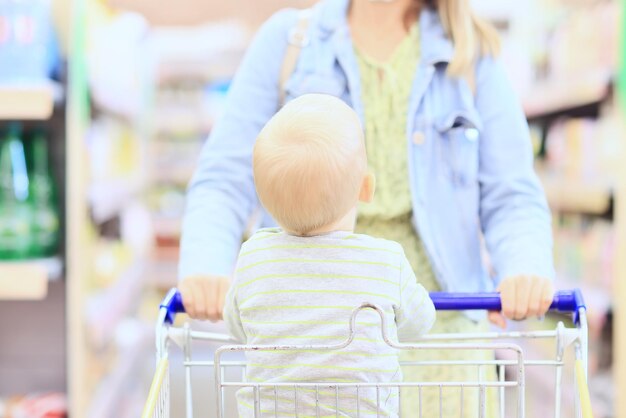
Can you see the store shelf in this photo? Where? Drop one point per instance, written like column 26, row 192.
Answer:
column 583, row 107
column 571, row 196
column 28, row 280
column 27, row 101
column 552, row 100
column 107, row 308
column 182, row 122
column 206, row 52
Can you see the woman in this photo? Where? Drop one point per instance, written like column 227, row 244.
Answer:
column 446, row 139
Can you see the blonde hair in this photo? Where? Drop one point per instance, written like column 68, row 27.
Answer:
column 309, row 163
column 472, row 36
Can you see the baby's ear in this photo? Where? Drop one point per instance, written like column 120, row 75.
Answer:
column 367, row 188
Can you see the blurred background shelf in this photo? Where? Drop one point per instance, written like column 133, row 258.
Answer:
column 29, row 101
column 578, row 197
column 550, row 100
column 28, row 279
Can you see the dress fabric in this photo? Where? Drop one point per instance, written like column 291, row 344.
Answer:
column 385, row 91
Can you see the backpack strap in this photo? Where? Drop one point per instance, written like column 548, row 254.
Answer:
column 297, row 39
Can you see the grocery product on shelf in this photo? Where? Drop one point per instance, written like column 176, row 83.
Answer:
column 29, row 218
column 45, row 225
column 15, row 210
column 27, row 45
column 41, row 405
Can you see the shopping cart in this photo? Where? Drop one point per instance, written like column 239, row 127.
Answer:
column 511, row 365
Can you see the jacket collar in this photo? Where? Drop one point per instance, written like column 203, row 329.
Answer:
column 436, row 47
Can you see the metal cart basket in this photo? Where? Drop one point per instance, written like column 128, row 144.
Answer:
column 509, row 385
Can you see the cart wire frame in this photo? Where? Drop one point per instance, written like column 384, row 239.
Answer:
column 158, row 402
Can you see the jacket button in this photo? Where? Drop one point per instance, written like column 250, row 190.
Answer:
column 419, row 138
column 471, row 134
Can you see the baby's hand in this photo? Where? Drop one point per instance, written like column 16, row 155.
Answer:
column 522, row 297
column 203, row 296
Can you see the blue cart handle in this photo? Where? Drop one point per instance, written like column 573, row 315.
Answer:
column 570, row 301
column 171, row 305
column 566, row 301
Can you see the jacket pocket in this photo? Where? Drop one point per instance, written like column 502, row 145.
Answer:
column 460, row 135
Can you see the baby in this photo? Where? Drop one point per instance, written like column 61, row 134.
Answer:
column 298, row 284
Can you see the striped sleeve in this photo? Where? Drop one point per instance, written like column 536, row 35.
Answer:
column 232, row 316
column 416, row 314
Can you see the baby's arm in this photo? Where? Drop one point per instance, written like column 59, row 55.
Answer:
column 416, row 314
column 232, row 316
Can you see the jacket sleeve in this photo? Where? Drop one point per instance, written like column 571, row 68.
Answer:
column 514, row 213
column 221, row 196
column 416, row 314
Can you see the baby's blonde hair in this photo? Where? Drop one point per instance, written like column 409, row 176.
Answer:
column 309, row 163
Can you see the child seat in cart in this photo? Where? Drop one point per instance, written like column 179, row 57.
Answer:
column 511, row 365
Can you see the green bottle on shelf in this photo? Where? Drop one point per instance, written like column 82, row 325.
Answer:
column 15, row 210
column 42, row 199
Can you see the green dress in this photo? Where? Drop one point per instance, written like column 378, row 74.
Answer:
column 385, row 90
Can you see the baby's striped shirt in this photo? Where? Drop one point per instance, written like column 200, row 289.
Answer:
column 291, row 290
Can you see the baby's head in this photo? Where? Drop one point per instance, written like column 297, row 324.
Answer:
column 310, row 166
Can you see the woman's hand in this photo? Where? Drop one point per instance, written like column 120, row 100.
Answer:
column 203, row 296
column 522, row 297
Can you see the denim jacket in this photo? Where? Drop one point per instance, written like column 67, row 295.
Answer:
column 469, row 153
